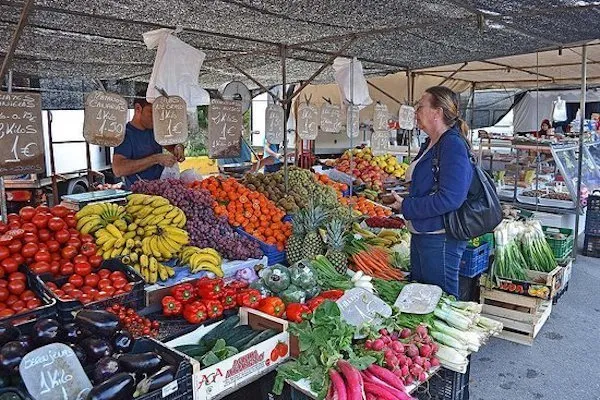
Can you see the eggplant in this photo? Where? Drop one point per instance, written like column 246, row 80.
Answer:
column 147, row 363
column 4, row 381
column 46, row 331
column 8, row 333
column 81, row 355
column 123, row 342
column 96, row 348
column 11, row 355
column 156, row 381
column 27, row 342
column 119, row 387
column 105, row 368
column 98, row 322
column 73, row 333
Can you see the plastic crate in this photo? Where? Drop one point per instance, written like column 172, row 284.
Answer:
column 591, row 246
column 133, row 299
column 46, row 310
column 593, row 204
column 475, row 261
column 486, row 238
column 274, row 256
column 592, row 222
column 447, row 385
column 561, row 248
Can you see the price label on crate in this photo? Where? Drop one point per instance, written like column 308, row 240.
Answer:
column 53, row 372
column 104, row 118
column 359, row 306
column 21, row 139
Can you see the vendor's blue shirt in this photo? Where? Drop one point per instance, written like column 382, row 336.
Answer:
column 426, row 210
column 245, row 156
column 275, row 148
column 140, row 144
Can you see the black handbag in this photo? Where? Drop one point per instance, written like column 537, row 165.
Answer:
column 481, row 212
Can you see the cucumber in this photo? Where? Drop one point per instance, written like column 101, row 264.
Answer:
column 261, row 337
column 196, row 350
column 222, row 329
column 241, row 341
column 236, row 333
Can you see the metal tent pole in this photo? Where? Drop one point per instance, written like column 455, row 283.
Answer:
column 3, row 209
column 580, row 158
column 286, row 104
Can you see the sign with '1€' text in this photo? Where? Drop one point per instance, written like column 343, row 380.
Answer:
column 21, row 136
column 224, row 128
column 308, row 121
column 170, row 120
column 274, row 117
column 331, row 120
column 105, row 116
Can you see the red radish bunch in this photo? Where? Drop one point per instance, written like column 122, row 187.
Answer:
column 409, row 355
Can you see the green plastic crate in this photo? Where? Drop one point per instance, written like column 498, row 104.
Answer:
column 561, row 248
column 478, row 241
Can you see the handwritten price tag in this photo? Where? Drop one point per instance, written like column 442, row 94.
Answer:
column 169, row 115
column 352, row 121
column 359, row 307
column 105, row 116
column 21, row 138
column 308, row 121
column 224, row 128
column 380, row 117
column 274, row 124
column 331, row 120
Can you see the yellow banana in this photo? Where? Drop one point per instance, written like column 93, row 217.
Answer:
column 153, row 264
column 106, row 254
column 210, row 268
column 165, row 222
column 85, row 220
column 109, row 245
column 212, row 251
column 176, row 234
column 171, row 245
column 136, row 198
column 114, row 231
column 144, row 212
column 137, row 268
column 132, row 227
column 120, row 243
column 146, row 274
column 134, row 209
column 101, row 239
column 134, row 257
column 162, row 210
column 116, row 252
column 153, row 245
column 162, row 272
column 174, row 212
column 146, row 246
column 90, row 209
column 129, row 235
column 121, row 225
column 154, row 221
column 170, row 271
column 200, row 258
column 164, row 252
column 129, row 243
column 159, row 201
column 144, row 261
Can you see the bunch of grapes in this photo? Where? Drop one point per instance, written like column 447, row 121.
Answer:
column 204, row 227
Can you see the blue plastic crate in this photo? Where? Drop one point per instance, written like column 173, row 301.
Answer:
column 274, row 256
column 475, row 261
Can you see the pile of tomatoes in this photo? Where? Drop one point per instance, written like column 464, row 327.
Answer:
column 87, row 285
column 16, row 296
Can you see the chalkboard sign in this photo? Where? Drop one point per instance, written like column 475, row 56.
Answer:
column 331, row 120
column 274, row 124
column 380, row 142
column 53, row 372
column 170, row 120
column 380, row 117
column 224, row 128
column 105, row 116
column 352, row 121
column 359, row 307
column 308, row 121
column 21, row 135
column 406, row 117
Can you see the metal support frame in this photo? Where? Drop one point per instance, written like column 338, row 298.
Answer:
column 256, row 82
column 286, row 105
column 384, row 92
column 3, row 209
column 16, row 36
column 518, row 69
column 581, row 135
column 52, row 162
column 454, row 73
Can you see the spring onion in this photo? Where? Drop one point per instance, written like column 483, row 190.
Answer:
column 535, row 248
column 509, row 262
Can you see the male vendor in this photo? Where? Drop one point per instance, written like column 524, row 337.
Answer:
column 140, row 156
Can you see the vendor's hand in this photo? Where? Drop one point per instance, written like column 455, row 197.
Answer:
column 179, row 152
column 166, row 159
column 397, row 205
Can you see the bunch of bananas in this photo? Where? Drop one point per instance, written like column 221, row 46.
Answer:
column 95, row 216
column 385, row 237
column 207, row 259
column 154, row 211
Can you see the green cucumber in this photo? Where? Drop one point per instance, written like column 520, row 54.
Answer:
column 196, row 350
column 261, row 337
column 241, row 341
column 222, row 329
column 236, row 333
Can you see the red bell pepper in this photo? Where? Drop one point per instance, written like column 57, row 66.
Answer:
column 237, row 285
column 214, row 308
column 183, row 292
column 171, row 306
column 315, row 302
column 272, row 305
column 195, row 312
column 332, row 294
column 249, row 298
column 297, row 312
column 229, row 299
column 209, row 289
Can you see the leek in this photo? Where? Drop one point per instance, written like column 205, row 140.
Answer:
column 449, row 340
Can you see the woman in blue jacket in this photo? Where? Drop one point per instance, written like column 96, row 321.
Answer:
column 435, row 257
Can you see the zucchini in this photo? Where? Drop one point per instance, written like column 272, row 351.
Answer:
column 261, row 337
column 241, row 341
column 221, row 330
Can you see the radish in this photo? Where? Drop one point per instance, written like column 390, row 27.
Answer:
column 354, row 389
column 409, row 362
column 401, row 359
column 418, row 360
column 383, row 332
column 378, row 345
column 434, row 362
column 369, row 344
column 372, row 379
column 397, row 347
column 386, row 339
column 421, row 330
column 384, row 394
column 404, row 370
column 434, row 347
column 395, row 336
column 391, row 361
column 426, row 365
column 408, row 380
column 386, row 376
column 405, row 333
column 425, row 350
column 412, row 351
column 371, row 396
column 423, row 377
column 416, row 370
column 337, row 383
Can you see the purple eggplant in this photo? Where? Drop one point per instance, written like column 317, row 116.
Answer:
column 123, row 342
column 73, row 333
column 101, row 323
column 119, row 387
column 46, row 331
column 81, row 355
column 143, row 363
column 11, row 355
column 155, row 381
column 27, row 342
column 96, row 348
column 105, row 368
column 8, row 333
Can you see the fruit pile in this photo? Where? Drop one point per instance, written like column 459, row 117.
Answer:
column 135, row 324
column 366, row 207
column 369, row 169
column 326, row 180
column 249, row 209
column 88, row 284
column 198, row 259
column 204, row 228
column 16, row 296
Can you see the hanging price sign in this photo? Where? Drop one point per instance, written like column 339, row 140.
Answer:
column 352, row 121
column 308, row 121
column 224, row 128
column 170, row 120
column 380, row 142
column 381, row 117
column 105, row 116
column 406, row 117
column 21, row 135
column 331, row 120
column 274, row 124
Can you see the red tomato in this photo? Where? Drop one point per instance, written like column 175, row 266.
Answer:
column 62, row 236
column 88, row 249
column 75, row 293
column 83, row 268
column 67, row 269
column 9, row 265
column 29, row 250
column 2, row 273
column 2, row 306
column 3, row 283
column 117, row 274
column 55, row 267
column 42, row 255
column 101, row 295
column 14, row 225
column 42, row 209
column 86, row 298
column 16, row 287
column 3, row 227
column 67, row 287
column 29, row 227
column 55, row 256
column 56, row 224
column 59, row 292
column 69, row 252
column 103, row 283
column 110, row 290
column 4, row 252
column 13, row 217
column 33, row 304
column 119, row 291
column 74, row 231
column 3, row 294
column 80, row 258
column 44, row 235
column 15, row 246
column 95, row 260
column 30, row 237
column 129, row 287
column 27, row 295
column 40, row 267
column 40, row 220
column 60, row 211
column 26, row 213
column 73, row 241
column 92, row 280
column 7, row 312
column 71, row 221
column 76, row 280
column 51, row 285
column 18, row 258
column 43, row 246
column 91, row 291
column 17, row 276
column 53, row 246
column 18, row 306
column 119, row 283
column 11, row 299
column 104, row 273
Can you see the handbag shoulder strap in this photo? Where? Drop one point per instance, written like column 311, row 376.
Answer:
column 435, row 162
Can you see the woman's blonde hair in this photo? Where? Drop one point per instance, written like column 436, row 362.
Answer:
column 448, row 101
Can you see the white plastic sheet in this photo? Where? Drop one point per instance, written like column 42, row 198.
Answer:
column 352, row 85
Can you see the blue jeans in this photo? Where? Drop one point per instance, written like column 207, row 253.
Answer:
column 435, row 259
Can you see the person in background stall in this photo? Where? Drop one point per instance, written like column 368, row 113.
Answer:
column 272, row 150
column 140, row 156
column 545, row 130
column 434, row 256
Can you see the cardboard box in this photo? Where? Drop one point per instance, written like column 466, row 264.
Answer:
column 543, row 285
column 219, row 380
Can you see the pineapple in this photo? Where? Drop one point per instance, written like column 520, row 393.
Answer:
column 313, row 244
column 336, row 241
column 296, row 241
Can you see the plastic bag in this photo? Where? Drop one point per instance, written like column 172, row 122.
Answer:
column 559, row 112
column 190, row 175
column 171, row 172
column 352, row 85
column 176, row 68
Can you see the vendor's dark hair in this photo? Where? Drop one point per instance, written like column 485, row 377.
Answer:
column 448, row 101
column 140, row 98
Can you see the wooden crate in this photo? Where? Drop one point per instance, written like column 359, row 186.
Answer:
column 522, row 316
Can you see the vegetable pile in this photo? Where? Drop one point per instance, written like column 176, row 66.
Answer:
column 372, row 260
column 16, row 296
column 135, row 324
column 293, row 285
column 389, row 222
column 366, row 207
